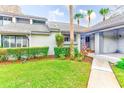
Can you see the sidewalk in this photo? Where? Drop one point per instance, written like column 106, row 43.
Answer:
column 102, row 75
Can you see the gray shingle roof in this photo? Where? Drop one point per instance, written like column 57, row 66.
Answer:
column 109, row 23
column 23, row 16
column 23, row 28
column 64, row 27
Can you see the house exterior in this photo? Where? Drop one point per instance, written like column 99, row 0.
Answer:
column 107, row 36
column 19, row 30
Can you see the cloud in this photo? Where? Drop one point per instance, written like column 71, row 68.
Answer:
column 83, row 11
column 93, row 15
column 53, row 15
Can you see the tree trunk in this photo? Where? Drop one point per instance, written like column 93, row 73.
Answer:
column 103, row 18
column 78, row 25
column 89, row 21
column 71, row 32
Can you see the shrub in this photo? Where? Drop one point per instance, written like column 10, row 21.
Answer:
column 24, row 53
column 62, row 56
column 59, row 40
column 120, row 64
column 64, row 50
column 3, row 54
column 79, row 57
column 3, row 58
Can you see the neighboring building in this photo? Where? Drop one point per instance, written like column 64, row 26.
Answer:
column 107, row 36
column 19, row 30
column 10, row 9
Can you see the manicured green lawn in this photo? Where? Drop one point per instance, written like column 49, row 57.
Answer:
column 44, row 74
column 119, row 74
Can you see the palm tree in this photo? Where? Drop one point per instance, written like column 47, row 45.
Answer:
column 71, row 32
column 89, row 12
column 77, row 17
column 104, row 12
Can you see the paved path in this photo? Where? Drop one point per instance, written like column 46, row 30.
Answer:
column 102, row 75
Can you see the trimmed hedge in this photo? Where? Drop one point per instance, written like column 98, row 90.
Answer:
column 64, row 51
column 29, row 52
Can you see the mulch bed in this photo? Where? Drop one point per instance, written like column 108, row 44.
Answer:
column 86, row 59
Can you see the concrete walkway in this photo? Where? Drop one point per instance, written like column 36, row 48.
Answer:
column 102, row 75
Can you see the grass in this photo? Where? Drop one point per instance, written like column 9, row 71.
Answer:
column 45, row 74
column 119, row 74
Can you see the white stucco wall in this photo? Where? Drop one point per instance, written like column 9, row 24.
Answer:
column 121, row 41
column 49, row 40
column 109, row 42
column 44, row 40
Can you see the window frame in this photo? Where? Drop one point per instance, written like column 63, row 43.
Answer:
column 15, row 38
column 23, row 20
column 68, row 35
column 5, row 18
column 38, row 23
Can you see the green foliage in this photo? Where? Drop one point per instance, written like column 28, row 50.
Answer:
column 3, row 58
column 59, row 50
column 78, row 16
column 76, row 52
column 64, row 50
column 59, row 39
column 120, row 64
column 62, row 56
column 104, row 11
column 24, row 53
column 80, row 57
column 3, row 54
column 89, row 12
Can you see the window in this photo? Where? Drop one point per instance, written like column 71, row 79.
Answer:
column 87, row 39
column 6, row 41
column 38, row 22
column 18, row 41
column 23, row 20
column 1, row 20
column 67, row 37
column 14, row 41
column 25, row 42
column 5, row 20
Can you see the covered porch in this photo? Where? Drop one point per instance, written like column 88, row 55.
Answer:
column 105, row 41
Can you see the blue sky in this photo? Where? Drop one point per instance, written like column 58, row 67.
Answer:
column 60, row 12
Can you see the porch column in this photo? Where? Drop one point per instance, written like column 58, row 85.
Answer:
column 97, row 43
column 31, row 22
column 14, row 20
column 79, row 42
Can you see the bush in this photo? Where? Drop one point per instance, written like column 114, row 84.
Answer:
column 62, row 56
column 79, row 57
column 59, row 40
column 64, row 50
column 3, row 54
column 120, row 64
column 24, row 53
